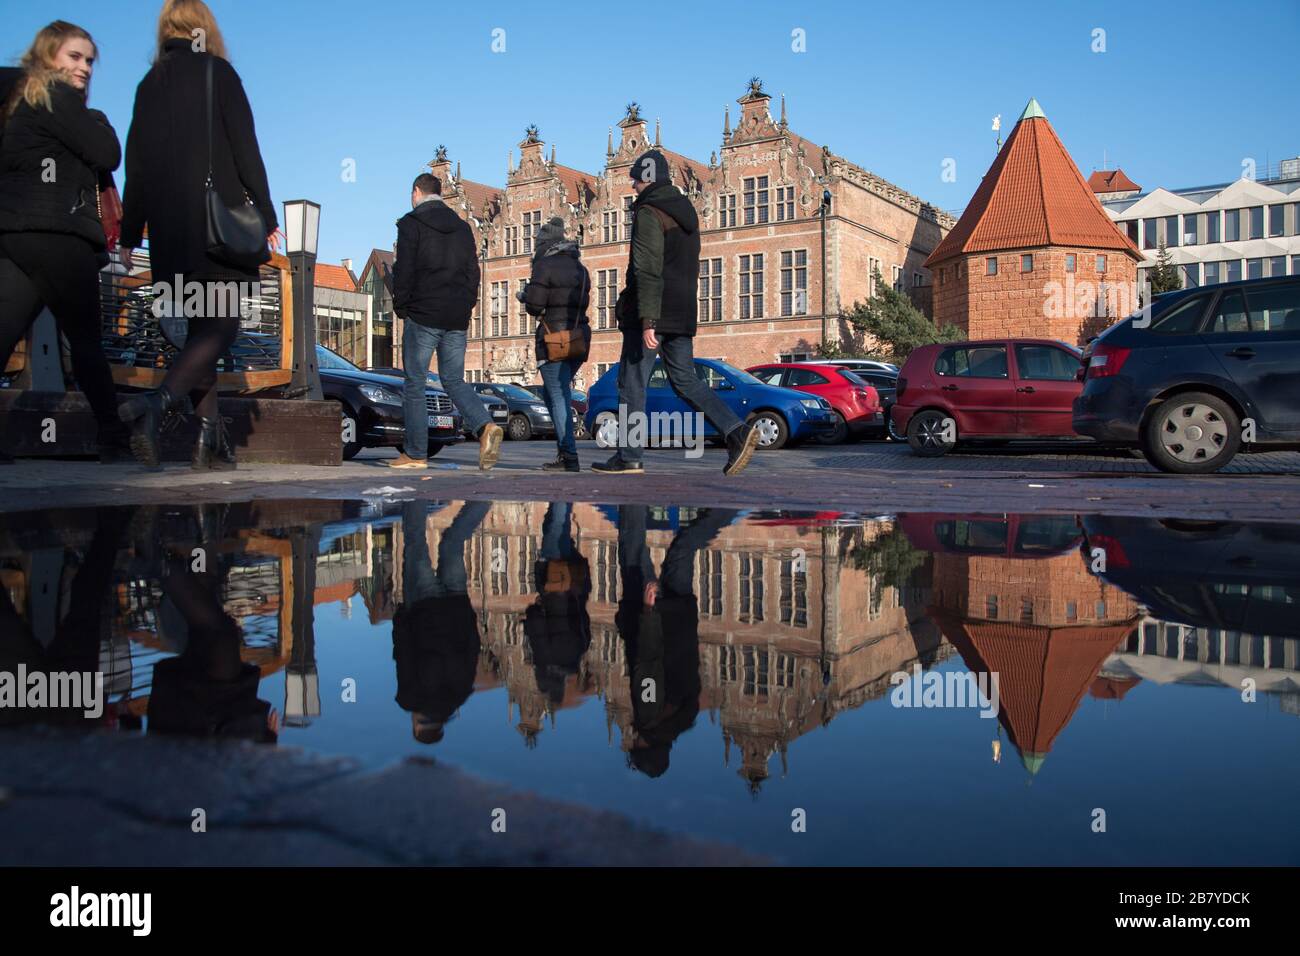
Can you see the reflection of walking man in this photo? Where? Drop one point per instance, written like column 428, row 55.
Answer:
column 658, row 620
column 435, row 630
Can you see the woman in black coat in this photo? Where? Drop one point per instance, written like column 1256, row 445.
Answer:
column 53, row 153
column 167, row 157
column 557, row 293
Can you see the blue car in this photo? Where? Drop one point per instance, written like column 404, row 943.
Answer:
column 781, row 415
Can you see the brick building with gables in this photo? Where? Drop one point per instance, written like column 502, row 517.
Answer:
column 762, row 257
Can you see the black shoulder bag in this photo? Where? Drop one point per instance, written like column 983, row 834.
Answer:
column 236, row 236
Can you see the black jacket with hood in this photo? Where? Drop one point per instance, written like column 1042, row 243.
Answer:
column 50, row 163
column 663, row 269
column 558, row 291
column 436, row 274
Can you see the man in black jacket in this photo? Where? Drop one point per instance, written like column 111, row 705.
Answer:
column 657, row 311
column 435, row 284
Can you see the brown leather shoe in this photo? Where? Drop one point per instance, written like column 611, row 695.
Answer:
column 405, row 461
column 489, row 445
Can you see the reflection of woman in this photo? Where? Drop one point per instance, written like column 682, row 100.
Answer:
column 167, row 166
column 557, row 625
column 54, row 153
column 207, row 690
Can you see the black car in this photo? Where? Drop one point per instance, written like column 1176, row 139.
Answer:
column 1213, row 574
column 1199, row 375
column 497, row 409
column 579, row 402
column 374, row 404
column 886, row 386
column 529, row 416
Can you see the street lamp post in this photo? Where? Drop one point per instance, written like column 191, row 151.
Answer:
column 826, row 205
column 301, row 230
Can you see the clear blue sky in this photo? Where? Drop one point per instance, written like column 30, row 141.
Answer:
column 1183, row 92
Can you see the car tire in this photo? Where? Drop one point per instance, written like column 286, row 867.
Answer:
column 773, row 432
column 519, row 428
column 837, row 437
column 891, row 430
column 1193, row 433
column 350, row 448
column 925, row 433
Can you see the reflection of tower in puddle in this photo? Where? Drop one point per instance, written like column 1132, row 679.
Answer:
column 1044, row 625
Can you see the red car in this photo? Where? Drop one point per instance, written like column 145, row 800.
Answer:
column 992, row 389
column 856, row 404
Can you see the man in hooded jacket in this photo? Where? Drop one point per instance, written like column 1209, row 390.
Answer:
column 657, row 314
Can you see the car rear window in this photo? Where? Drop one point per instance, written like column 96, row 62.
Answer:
column 1046, row 363
column 805, row 376
column 1182, row 319
column 852, row 377
column 979, row 361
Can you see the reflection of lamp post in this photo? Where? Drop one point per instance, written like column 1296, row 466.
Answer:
column 301, row 230
column 301, row 681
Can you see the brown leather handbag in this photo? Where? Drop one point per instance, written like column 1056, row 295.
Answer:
column 573, row 344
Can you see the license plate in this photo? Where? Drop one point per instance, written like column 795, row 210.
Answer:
column 499, row 413
column 439, row 421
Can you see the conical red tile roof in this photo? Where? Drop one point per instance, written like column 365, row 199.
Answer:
column 1033, row 195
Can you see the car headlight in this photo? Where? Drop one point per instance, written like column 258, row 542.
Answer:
column 540, row 409
column 380, row 396
column 810, row 402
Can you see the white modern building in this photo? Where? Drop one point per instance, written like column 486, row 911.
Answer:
column 1249, row 229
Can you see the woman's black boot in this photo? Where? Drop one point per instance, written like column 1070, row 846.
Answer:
column 145, row 414
column 213, row 449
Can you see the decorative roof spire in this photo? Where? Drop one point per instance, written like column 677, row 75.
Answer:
column 552, row 154
column 656, row 131
column 440, row 154
column 1033, row 110
column 609, row 144
column 510, row 161
column 726, row 122
column 783, row 122
column 458, row 170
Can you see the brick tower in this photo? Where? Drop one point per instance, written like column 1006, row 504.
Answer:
column 1034, row 254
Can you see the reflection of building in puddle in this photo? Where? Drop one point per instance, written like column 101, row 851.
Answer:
column 787, row 639
column 1043, row 624
column 1169, row 653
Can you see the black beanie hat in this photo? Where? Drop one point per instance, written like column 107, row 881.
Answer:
column 650, row 166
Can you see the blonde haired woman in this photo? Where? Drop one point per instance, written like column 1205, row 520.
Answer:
column 54, row 151
column 170, row 152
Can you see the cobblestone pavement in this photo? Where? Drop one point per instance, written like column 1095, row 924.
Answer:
column 873, row 477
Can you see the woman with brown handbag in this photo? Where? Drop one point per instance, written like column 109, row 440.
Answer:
column 557, row 293
column 55, row 152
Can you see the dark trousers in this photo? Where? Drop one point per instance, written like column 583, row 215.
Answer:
column 39, row 269
column 419, row 578
column 678, row 578
column 194, row 370
column 635, row 364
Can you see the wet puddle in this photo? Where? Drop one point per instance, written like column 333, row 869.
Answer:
column 925, row 688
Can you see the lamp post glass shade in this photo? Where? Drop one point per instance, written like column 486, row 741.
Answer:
column 301, row 226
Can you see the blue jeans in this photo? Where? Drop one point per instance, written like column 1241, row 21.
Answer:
column 558, row 379
column 678, row 353
column 419, row 579
column 419, row 343
column 557, row 539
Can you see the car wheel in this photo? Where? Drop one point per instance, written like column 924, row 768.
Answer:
column 839, row 435
column 773, row 432
column 605, row 431
column 931, row 433
column 518, row 428
column 892, row 429
column 350, row 448
column 1191, row 434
